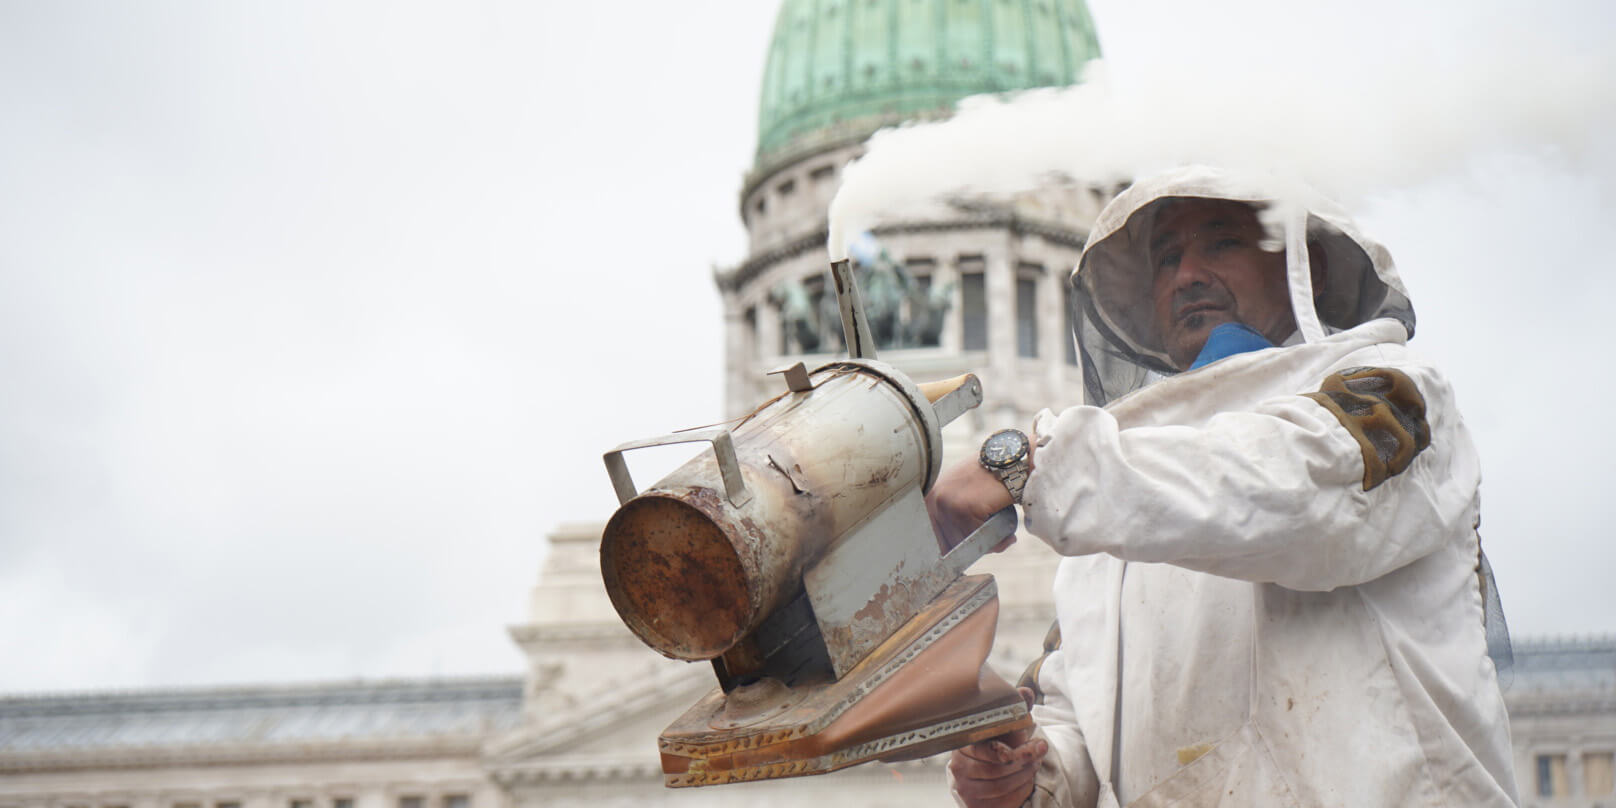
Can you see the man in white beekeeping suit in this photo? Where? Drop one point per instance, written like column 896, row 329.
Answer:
column 1271, row 593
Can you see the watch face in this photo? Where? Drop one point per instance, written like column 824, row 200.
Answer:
column 1004, row 448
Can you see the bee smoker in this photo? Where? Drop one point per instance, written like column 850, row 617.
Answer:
column 798, row 557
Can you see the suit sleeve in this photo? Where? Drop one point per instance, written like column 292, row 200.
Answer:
column 1310, row 491
column 1066, row 777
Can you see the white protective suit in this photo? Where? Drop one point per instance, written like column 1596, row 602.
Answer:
column 1269, row 598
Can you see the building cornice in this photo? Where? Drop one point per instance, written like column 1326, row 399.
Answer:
column 358, row 691
column 1567, row 643
column 616, row 771
column 754, row 266
column 807, row 147
column 1017, row 225
column 564, row 730
column 529, row 633
column 286, row 723
column 1564, row 702
column 547, row 772
column 209, row 755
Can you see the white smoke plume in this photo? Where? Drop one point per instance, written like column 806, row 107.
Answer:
column 1353, row 106
column 1473, row 139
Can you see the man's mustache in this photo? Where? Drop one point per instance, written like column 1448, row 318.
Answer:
column 1199, row 293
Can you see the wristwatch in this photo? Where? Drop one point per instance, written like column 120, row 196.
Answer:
column 1005, row 455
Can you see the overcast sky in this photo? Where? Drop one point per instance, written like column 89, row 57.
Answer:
column 316, row 317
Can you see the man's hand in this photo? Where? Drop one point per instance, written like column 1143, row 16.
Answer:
column 963, row 497
column 998, row 773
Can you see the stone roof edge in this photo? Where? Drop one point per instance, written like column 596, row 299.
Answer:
column 584, row 530
column 211, row 754
column 535, row 772
column 1565, row 642
column 755, row 264
column 195, row 695
column 1579, row 702
column 586, row 720
column 531, row 632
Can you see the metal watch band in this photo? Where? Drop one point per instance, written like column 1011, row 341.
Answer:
column 1015, row 480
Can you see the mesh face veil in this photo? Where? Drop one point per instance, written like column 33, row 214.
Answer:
column 1117, row 340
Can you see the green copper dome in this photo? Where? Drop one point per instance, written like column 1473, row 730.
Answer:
column 844, row 68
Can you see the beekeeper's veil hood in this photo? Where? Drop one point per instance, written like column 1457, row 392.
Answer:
column 1116, row 332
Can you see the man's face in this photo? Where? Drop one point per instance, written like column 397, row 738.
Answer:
column 1209, row 270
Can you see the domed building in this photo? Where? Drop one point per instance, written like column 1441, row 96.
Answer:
column 961, row 285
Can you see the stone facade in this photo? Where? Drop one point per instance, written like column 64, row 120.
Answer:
column 1014, row 251
column 384, row 744
column 579, row 728
column 1562, row 711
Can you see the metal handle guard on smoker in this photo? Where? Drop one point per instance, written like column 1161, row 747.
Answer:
column 723, row 446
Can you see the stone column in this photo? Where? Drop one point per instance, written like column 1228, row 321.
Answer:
column 768, row 329
column 1052, row 336
column 999, row 398
column 737, row 356
column 945, row 272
